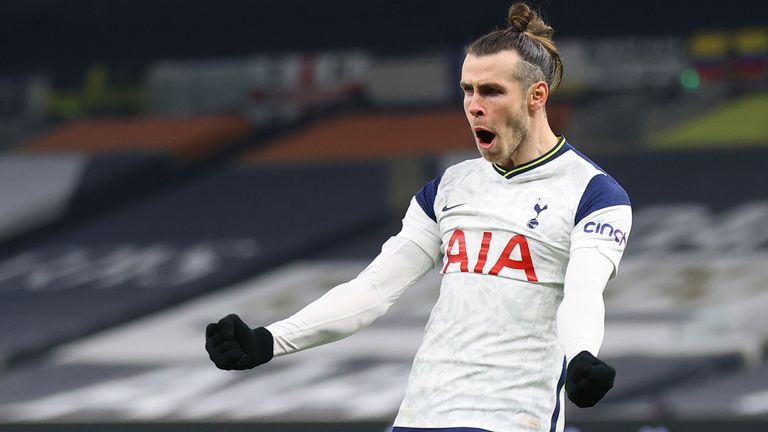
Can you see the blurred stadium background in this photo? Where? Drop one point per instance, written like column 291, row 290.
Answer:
column 165, row 163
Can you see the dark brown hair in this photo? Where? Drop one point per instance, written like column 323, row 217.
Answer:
column 529, row 36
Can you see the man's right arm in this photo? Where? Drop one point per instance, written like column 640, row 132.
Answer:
column 354, row 305
column 344, row 309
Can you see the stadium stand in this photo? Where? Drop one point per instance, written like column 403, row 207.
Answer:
column 186, row 138
column 175, row 244
column 69, row 174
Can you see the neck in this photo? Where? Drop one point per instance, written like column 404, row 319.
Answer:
column 538, row 142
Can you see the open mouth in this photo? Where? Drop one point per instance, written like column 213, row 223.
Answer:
column 485, row 137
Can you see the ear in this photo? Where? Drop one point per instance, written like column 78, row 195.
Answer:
column 538, row 94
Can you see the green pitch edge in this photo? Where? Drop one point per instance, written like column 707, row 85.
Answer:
column 737, row 123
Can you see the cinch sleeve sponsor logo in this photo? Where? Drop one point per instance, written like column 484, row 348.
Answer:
column 605, row 229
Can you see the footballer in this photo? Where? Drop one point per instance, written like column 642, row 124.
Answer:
column 526, row 238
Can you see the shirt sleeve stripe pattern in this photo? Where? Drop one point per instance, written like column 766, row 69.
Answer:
column 601, row 192
column 426, row 197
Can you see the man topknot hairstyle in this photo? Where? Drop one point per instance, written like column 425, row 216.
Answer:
column 529, row 36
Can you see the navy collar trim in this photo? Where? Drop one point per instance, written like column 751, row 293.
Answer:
column 561, row 147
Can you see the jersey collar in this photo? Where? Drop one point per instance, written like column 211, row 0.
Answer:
column 561, row 147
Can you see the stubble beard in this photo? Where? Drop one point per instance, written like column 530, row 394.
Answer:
column 519, row 131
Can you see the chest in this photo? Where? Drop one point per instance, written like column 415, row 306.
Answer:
column 540, row 209
column 499, row 227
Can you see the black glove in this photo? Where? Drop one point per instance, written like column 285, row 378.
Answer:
column 231, row 344
column 588, row 379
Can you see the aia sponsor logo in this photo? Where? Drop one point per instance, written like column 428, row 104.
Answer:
column 607, row 230
column 515, row 256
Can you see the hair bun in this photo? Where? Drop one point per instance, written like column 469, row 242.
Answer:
column 523, row 19
column 531, row 38
column 520, row 16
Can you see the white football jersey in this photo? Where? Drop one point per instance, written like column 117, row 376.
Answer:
column 490, row 358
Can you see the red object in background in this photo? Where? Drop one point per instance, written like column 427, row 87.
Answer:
column 187, row 138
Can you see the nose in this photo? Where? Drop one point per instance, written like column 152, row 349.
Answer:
column 474, row 107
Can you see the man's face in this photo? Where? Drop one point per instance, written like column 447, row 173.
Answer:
column 495, row 105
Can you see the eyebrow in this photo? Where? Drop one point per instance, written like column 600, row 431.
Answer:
column 483, row 86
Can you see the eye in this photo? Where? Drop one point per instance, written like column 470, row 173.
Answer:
column 492, row 91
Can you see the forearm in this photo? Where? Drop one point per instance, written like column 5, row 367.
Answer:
column 581, row 317
column 342, row 311
column 354, row 305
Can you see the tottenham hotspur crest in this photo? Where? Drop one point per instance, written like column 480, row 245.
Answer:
column 533, row 223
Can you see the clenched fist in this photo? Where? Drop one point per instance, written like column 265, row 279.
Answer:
column 232, row 345
column 588, row 379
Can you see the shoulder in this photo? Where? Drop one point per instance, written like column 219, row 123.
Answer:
column 601, row 192
column 468, row 166
column 426, row 195
column 600, row 189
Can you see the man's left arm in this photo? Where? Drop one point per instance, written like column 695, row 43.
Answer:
column 598, row 239
column 580, row 323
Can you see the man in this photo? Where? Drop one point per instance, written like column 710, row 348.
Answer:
column 529, row 235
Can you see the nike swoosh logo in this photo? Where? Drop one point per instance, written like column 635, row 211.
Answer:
column 446, row 208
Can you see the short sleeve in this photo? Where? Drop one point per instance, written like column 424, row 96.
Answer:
column 419, row 224
column 426, row 197
column 603, row 219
